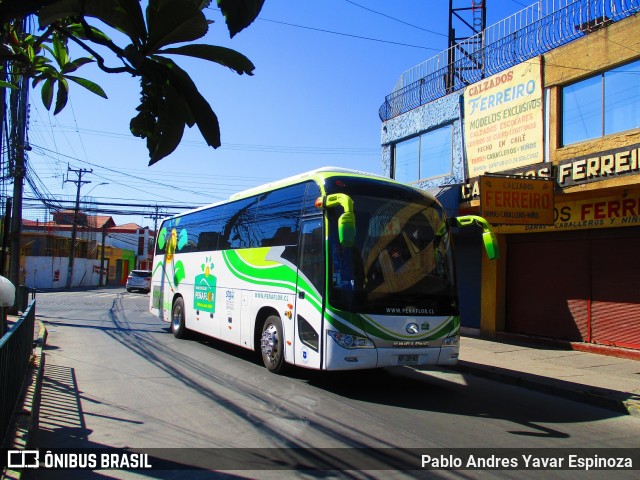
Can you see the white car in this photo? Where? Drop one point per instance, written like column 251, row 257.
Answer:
column 139, row 280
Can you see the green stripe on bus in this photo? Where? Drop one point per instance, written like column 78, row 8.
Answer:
column 267, row 272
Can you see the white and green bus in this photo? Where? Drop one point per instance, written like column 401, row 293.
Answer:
column 333, row 269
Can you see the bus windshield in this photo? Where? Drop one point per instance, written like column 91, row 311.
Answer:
column 401, row 261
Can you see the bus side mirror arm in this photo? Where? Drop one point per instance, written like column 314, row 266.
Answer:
column 346, row 221
column 488, row 237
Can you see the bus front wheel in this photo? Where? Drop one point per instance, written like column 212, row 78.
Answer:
column 177, row 319
column 272, row 344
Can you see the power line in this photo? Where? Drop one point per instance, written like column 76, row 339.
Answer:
column 322, row 30
column 350, row 35
column 243, row 146
column 185, row 207
column 170, row 186
column 395, row 19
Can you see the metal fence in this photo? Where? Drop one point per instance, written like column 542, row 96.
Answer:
column 16, row 347
column 533, row 31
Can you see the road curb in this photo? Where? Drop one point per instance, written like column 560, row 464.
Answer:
column 25, row 419
column 600, row 397
column 596, row 348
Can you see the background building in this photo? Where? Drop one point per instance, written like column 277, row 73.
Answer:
column 557, row 98
column 45, row 251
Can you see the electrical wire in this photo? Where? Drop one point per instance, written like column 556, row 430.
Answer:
column 350, row 35
column 395, row 19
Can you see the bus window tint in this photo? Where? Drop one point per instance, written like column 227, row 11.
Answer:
column 397, row 261
column 239, row 231
column 277, row 216
column 312, row 253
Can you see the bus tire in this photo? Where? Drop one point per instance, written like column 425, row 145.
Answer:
column 177, row 319
column 272, row 344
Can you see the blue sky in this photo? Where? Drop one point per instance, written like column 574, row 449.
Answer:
column 313, row 101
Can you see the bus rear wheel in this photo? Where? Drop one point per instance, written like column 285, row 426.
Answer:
column 272, row 344
column 177, row 319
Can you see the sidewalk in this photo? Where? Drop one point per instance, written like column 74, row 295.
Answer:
column 578, row 374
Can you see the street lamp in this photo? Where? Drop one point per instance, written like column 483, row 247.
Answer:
column 96, row 185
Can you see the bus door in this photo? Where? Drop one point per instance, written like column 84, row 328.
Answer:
column 309, row 295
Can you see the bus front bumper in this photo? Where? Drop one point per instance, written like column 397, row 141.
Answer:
column 339, row 358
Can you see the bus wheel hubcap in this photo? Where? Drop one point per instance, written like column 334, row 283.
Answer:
column 269, row 341
column 177, row 318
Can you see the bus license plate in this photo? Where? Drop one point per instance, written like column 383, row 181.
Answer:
column 407, row 359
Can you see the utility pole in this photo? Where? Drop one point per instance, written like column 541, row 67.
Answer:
column 3, row 260
column 155, row 216
column 104, row 237
column 17, row 148
column 74, row 227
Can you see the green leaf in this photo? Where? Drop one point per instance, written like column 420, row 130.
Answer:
column 4, row 84
column 47, row 93
column 221, row 55
column 74, row 65
column 239, row 14
column 31, row 54
column 60, row 52
column 62, row 96
column 78, row 31
column 202, row 112
column 88, row 84
column 169, row 131
column 48, row 49
column 122, row 15
column 41, row 64
column 173, row 21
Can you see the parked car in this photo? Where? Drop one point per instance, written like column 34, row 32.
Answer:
column 139, row 280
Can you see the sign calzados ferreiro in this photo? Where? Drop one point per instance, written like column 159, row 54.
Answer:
column 503, row 123
column 517, row 201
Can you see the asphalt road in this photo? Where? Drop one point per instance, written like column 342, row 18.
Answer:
column 116, row 377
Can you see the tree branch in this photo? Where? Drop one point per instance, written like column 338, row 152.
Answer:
column 44, row 36
column 100, row 41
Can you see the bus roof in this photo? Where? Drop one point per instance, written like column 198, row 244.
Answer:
column 317, row 174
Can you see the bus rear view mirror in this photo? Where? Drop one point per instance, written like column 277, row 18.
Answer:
column 489, row 238
column 490, row 245
column 346, row 221
column 347, row 229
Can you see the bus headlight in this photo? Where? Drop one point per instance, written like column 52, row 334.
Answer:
column 451, row 341
column 346, row 340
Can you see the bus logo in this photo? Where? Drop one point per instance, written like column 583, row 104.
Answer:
column 204, row 293
column 413, row 328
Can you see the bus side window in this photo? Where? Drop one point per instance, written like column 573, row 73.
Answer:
column 312, row 262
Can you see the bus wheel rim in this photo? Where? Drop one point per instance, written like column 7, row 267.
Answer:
column 177, row 318
column 269, row 341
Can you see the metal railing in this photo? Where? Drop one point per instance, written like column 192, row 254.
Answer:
column 16, row 347
column 533, row 31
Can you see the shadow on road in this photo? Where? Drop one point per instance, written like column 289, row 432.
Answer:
column 227, row 384
column 62, row 425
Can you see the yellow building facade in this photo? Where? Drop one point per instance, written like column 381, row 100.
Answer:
column 575, row 280
column 569, row 116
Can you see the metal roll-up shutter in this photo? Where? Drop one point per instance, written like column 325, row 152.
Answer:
column 547, row 285
column 615, row 288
